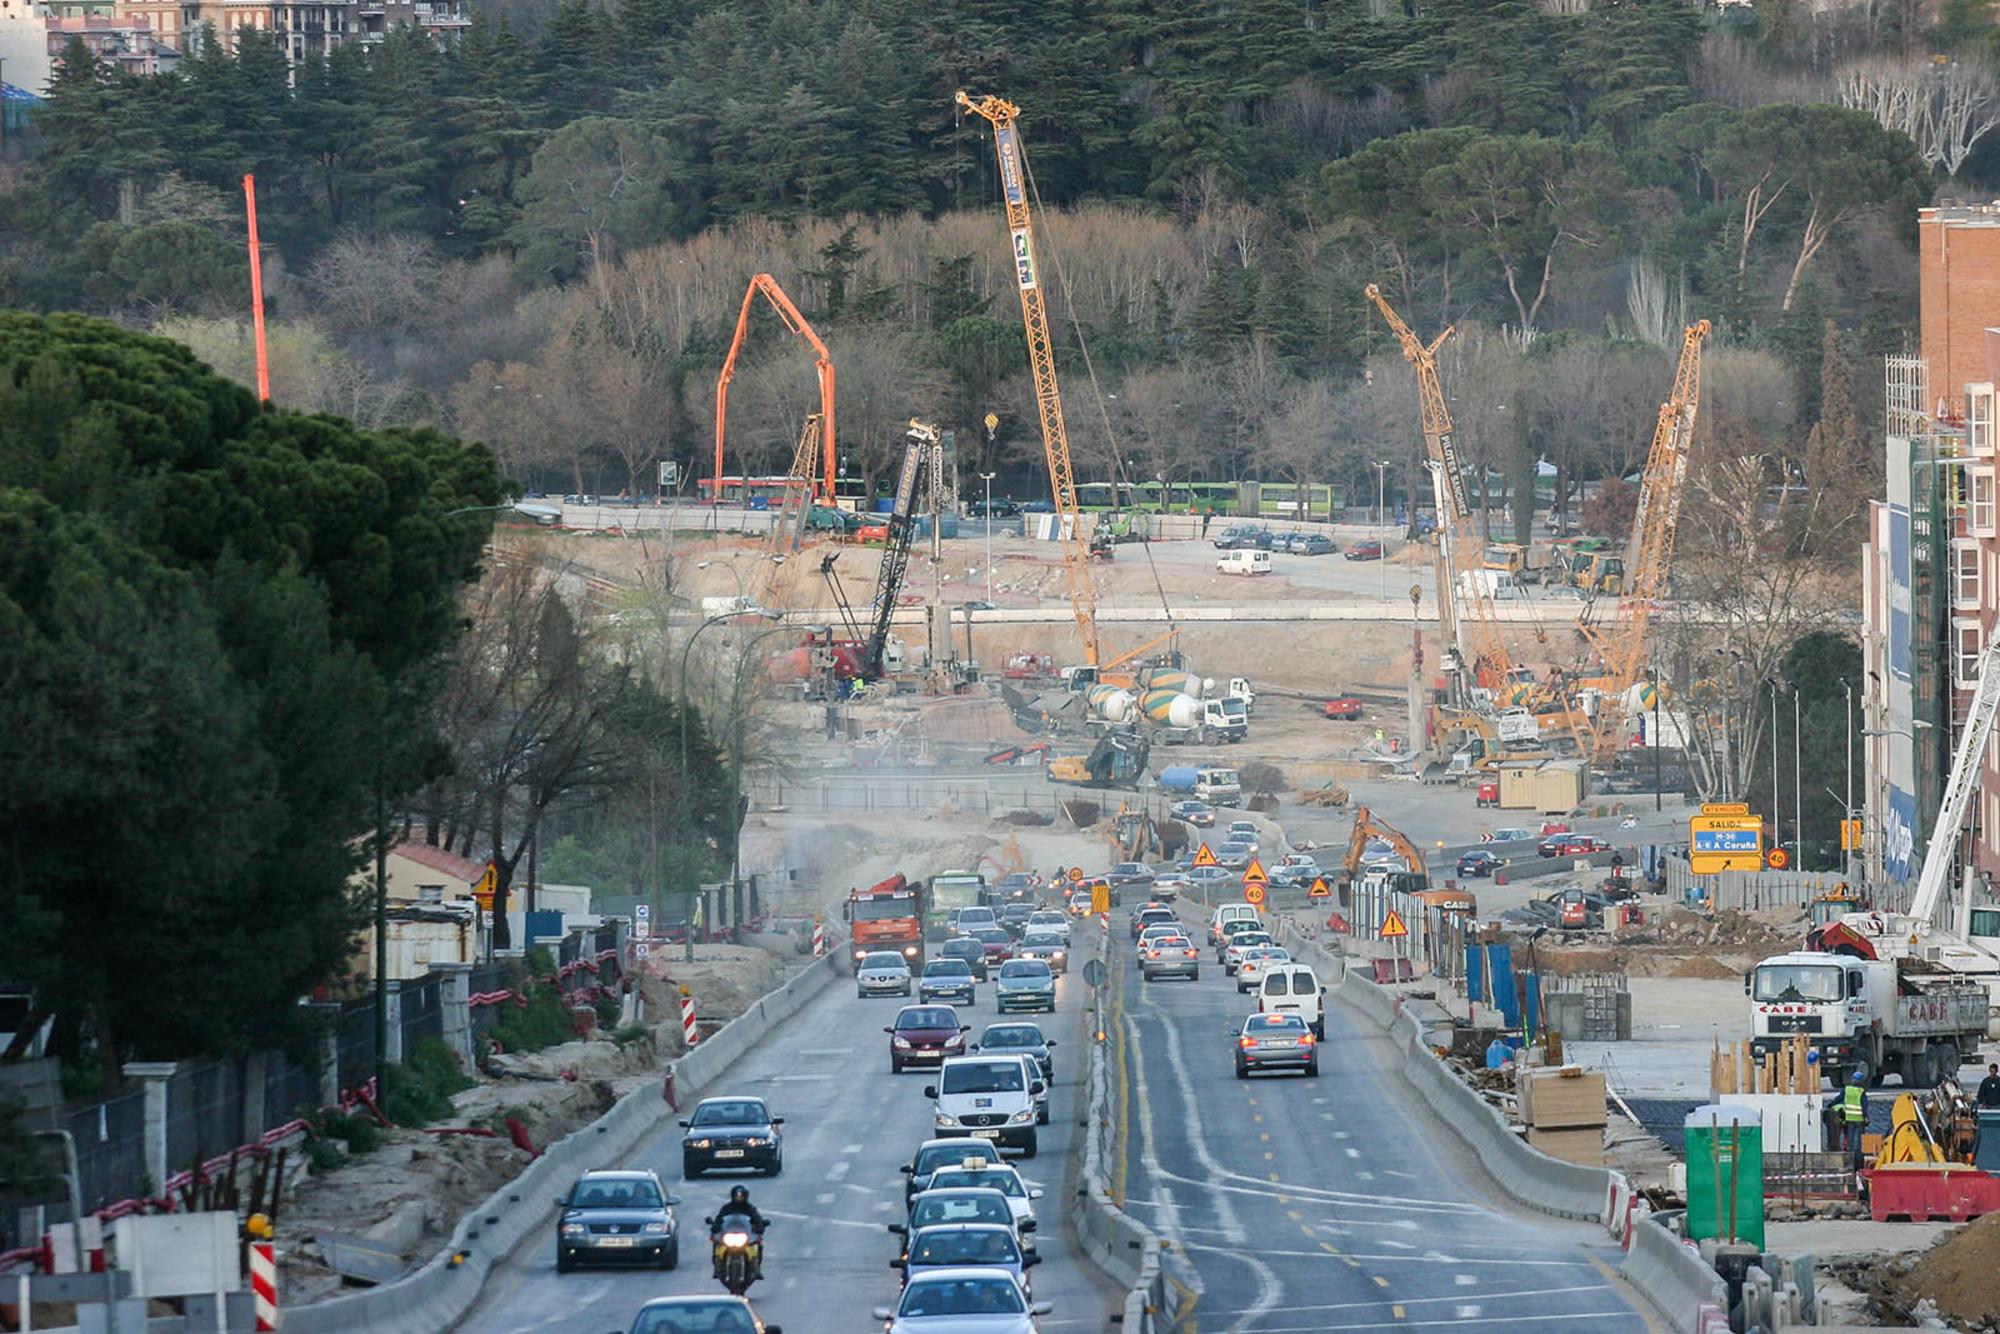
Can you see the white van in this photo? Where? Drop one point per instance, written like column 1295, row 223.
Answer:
column 1229, row 912
column 990, row 1098
column 1244, row 562
column 1293, row 988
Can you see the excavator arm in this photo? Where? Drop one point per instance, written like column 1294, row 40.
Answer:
column 767, row 286
column 1367, row 827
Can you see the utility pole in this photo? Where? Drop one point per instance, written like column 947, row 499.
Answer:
column 1798, row 783
column 987, row 478
column 1657, row 807
column 1847, row 796
column 1773, row 684
column 1382, row 520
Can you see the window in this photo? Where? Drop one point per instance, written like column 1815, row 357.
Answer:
column 1966, row 639
column 1965, row 556
column 1979, row 418
column 1982, row 501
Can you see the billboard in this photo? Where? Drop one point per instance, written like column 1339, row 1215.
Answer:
column 1899, row 835
column 1899, row 592
column 1723, row 839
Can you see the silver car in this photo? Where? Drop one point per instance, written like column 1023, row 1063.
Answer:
column 882, row 974
column 970, row 1300
column 1047, row 946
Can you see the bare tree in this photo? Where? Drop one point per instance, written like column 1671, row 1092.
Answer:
column 1944, row 107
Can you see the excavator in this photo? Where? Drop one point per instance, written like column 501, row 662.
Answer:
column 1118, row 760
column 1415, row 882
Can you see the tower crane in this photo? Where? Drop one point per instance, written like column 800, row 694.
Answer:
column 1651, row 549
column 1007, row 151
column 767, row 286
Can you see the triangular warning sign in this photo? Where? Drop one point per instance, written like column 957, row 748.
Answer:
column 1393, row 926
column 1253, row 874
column 1203, row 857
column 1319, row 889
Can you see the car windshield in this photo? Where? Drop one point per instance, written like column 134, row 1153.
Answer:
column 980, row 1077
column 1024, row 968
column 962, row 945
column 723, row 1315
column 1014, row 1035
column 1042, row 940
column 953, row 1155
column 947, row 968
column 1797, row 982
column 881, row 961
column 885, row 907
column 1243, row 940
column 993, row 935
column 962, row 1296
column 960, row 1207
column 1273, row 1023
column 964, row 1246
column 1167, row 941
column 1005, row 1182
column 735, row 1112
column 935, row 1017
column 616, row 1193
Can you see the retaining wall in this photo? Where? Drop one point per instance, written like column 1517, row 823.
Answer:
column 438, row 1295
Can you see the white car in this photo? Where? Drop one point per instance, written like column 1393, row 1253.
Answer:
column 1256, row 960
column 1242, row 941
column 963, row 1301
column 882, row 973
column 1513, row 834
column 1153, row 933
column 1003, row 1177
column 990, row 1098
column 1294, row 868
column 1047, row 919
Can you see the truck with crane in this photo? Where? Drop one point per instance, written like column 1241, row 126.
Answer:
column 1871, row 1017
column 888, row 915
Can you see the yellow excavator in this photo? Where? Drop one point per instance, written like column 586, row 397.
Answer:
column 1416, row 882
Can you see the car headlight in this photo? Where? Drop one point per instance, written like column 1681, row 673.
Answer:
column 1021, row 1118
column 902, row 1043
column 756, row 1142
column 654, row 1229
column 956, row 1040
column 1057, row 954
column 701, row 1144
column 944, row 1121
column 909, row 951
column 574, row 1229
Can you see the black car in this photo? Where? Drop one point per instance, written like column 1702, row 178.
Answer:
column 699, row 1315
column 936, row 1155
column 1014, row 916
column 616, row 1217
column 968, row 948
column 993, row 509
column 947, row 980
column 1019, row 1040
column 1479, row 862
column 732, row 1133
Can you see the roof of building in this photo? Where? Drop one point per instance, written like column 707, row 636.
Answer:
column 438, row 859
column 14, row 96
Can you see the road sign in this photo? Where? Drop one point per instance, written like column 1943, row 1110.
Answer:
column 1725, row 808
column 670, row 475
column 1075, row 874
column 1779, row 859
column 1100, row 897
column 488, row 886
column 1093, row 973
column 1203, row 857
column 1392, row 926
column 1725, row 843
column 1850, row 835
column 1319, row 889
column 642, row 911
column 992, row 423
column 1253, row 894
column 1253, row 874
column 641, row 951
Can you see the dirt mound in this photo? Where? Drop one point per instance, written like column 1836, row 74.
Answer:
column 1703, row 965
column 1961, row 1274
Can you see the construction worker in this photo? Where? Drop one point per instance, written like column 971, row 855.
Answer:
column 1989, row 1088
column 1854, row 1114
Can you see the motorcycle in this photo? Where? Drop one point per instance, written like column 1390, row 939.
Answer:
column 738, row 1250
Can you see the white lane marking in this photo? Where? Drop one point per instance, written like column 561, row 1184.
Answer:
column 1404, row 1259
column 1465, row 1280
column 1631, row 1322
column 839, row 1169
column 859, row 1189
column 1315, row 1195
column 824, row 1051
column 1365, row 1176
column 1465, row 1312
column 824, row 1197
column 850, row 1148
column 1354, row 1153
column 797, row 1079
column 1340, row 1134
column 821, row 1220
column 1461, row 1310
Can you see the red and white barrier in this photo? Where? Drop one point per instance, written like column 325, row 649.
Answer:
column 689, row 1033
column 819, row 938
column 264, row 1283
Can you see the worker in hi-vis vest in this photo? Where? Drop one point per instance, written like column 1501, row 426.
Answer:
column 1854, row 1114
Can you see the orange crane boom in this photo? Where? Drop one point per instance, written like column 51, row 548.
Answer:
column 1007, row 152
column 767, row 285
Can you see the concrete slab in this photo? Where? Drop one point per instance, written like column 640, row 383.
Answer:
column 1836, row 1238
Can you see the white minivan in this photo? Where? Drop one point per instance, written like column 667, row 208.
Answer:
column 1229, row 912
column 1293, row 988
column 990, row 1098
column 1244, row 562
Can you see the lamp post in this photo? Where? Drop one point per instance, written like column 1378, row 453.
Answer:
column 735, row 572
column 1654, row 673
column 685, row 707
column 736, row 712
column 1382, row 519
column 1798, row 782
column 987, row 478
column 1772, row 682
column 1847, row 798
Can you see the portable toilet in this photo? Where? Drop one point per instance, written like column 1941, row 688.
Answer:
column 1725, row 1174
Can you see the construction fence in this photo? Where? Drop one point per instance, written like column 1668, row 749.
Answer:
column 1743, row 891
column 861, row 794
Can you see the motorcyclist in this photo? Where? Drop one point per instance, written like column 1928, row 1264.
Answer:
column 739, row 1206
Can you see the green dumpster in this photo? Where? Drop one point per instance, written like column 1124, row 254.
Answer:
column 1725, row 1159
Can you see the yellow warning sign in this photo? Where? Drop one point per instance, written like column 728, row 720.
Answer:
column 1392, row 926
column 1203, row 857
column 1319, row 889
column 1100, row 897
column 1254, row 895
column 1253, row 874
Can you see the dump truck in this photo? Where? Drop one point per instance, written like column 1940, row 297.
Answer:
column 1874, row 1016
column 888, row 915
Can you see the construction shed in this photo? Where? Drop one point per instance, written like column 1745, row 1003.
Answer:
column 1554, row 787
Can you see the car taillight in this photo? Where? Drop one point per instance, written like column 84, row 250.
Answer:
column 1305, row 1039
column 1189, row 953
column 1246, row 1043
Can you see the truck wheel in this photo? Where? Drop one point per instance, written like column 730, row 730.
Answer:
column 1944, row 1065
column 1865, row 1066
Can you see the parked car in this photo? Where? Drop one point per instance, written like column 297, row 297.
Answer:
column 1235, row 538
column 1366, row 549
column 617, row 1216
column 1344, row 709
column 732, row 1132
column 993, row 509
column 1312, row 544
column 1038, row 507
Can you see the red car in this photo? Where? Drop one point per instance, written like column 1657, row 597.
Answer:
column 925, row 1035
column 999, row 945
column 1345, row 709
column 1367, row 550
column 1571, row 845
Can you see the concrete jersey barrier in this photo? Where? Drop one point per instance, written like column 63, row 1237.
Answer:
column 1673, row 1278
column 439, row 1294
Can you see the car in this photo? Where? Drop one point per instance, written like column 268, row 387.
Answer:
column 958, row 1245
column 987, row 1097
column 1197, row 813
column 1234, row 855
column 1017, row 885
column 924, row 1035
column 1154, row 933
column 1225, row 913
column 1312, row 544
column 1001, row 1176
column 617, row 1216
column 1046, row 947
column 1014, row 917
column 1024, row 1038
column 1037, row 1085
column 1571, row 845
column 1511, row 834
column 1243, row 831
column 999, row 946
column 826, row 519
column 1278, row 1041
column 883, row 973
column 983, row 1205
column 1038, row 507
column 1250, row 969
column 1236, row 537
column 1025, row 984
column 1343, row 709
column 992, row 509
column 969, row 950
column 1167, row 885
column 1050, row 920
column 963, row 1301
column 1232, row 953
column 732, row 1132
column 1230, row 928
column 1366, row 549
column 1295, row 868
column 948, row 979
column 1170, row 955
column 968, row 920
column 1207, row 877
column 1479, row 862
column 699, row 1315
column 959, row 1151
column 1131, row 876
column 1151, row 914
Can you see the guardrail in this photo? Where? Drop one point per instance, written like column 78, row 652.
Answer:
column 438, row 1295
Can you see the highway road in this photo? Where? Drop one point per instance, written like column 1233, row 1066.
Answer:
column 1336, row 1203
column 849, row 1125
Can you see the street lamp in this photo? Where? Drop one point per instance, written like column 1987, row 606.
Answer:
column 735, row 571
column 987, row 478
column 736, row 712
column 768, row 614
column 1382, row 519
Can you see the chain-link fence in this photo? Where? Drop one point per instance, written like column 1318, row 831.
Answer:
column 899, row 794
column 354, row 1043
column 422, row 1011
column 110, row 1149
column 204, row 1112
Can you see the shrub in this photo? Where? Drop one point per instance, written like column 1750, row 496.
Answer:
column 360, row 1133
column 632, row 1033
column 418, row 1091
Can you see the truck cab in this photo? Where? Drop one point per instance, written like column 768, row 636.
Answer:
column 1874, row 1016
column 1218, row 785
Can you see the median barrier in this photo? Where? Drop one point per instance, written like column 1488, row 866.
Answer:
column 437, row 1296
column 1681, row 1287
column 1377, row 1003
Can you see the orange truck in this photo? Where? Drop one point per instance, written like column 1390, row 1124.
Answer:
column 888, row 915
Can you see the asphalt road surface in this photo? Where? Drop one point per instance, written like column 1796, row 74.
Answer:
column 1336, row 1203
column 849, row 1125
